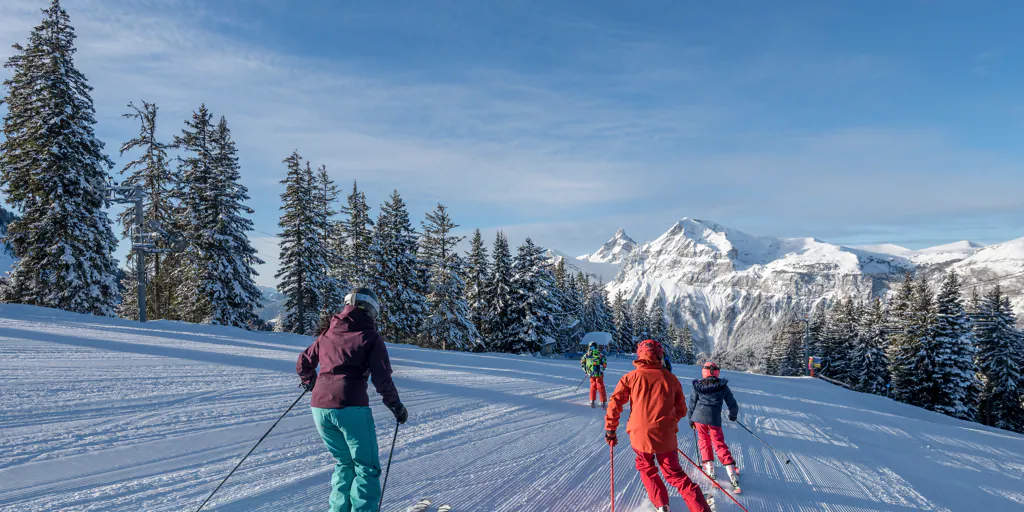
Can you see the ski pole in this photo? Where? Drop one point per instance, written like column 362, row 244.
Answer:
column 252, row 449
column 720, row 488
column 580, row 384
column 611, row 449
column 388, row 470
column 762, row 440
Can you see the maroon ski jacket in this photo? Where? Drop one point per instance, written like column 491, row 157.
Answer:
column 349, row 352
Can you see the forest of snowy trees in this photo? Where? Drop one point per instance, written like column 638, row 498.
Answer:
column 925, row 346
column 434, row 295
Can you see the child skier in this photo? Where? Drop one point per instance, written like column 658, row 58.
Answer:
column 349, row 351
column 656, row 406
column 594, row 363
column 706, row 417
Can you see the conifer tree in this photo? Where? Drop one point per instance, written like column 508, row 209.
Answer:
column 477, row 278
column 870, row 356
column 534, row 309
column 355, row 238
column 448, row 324
column 903, row 344
column 500, row 323
column 334, row 287
column 683, row 341
column 641, row 321
column 303, row 258
column 52, row 168
column 151, row 170
column 623, row 322
column 1001, row 363
column 573, row 306
column 230, row 259
column 837, row 345
column 922, row 328
column 952, row 380
column 398, row 273
column 656, row 320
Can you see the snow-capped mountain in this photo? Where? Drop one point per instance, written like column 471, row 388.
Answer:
column 598, row 271
column 614, row 251
column 731, row 287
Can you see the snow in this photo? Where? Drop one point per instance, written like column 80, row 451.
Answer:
column 614, row 251
column 107, row 414
column 601, row 338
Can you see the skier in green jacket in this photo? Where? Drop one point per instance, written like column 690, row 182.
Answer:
column 594, row 363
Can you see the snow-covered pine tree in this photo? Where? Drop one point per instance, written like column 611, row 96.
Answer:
column 303, row 268
column 922, row 328
column 623, row 322
column 334, row 286
column 52, row 168
column 601, row 310
column 561, row 274
column 1001, row 363
column 952, row 380
column 231, row 259
column 398, row 276
column 871, row 361
column 449, row 323
column 355, row 239
column 477, row 278
column 658, row 325
column 816, row 331
column 499, row 333
column 151, row 170
column 684, row 345
column 903, row 346
column 837, row 345
column 641, row 320
column 534, row 308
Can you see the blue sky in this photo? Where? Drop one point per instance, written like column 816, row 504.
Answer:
column 856, row 122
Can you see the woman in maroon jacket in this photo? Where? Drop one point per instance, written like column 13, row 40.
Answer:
column 349, row 352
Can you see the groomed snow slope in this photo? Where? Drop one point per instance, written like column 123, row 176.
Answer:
column 104, row 414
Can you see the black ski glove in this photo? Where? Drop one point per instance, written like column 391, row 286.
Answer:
column 308, row 386
column 732, row 417
column 400, row 412
column 611, row 438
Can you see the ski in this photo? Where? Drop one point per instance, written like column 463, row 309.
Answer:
column 444, row 508
column 420, row 506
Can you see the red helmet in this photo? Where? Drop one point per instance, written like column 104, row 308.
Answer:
column 650, row 350
column 709, row 370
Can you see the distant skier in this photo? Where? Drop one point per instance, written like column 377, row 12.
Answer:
column 706, row 417
column 349, row 351
column 657, row 405
column 594, row 363
column 668, row 363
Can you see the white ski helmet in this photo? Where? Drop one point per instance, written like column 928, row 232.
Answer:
column 364, row 299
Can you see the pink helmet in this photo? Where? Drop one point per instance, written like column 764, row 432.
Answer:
column 709, row 370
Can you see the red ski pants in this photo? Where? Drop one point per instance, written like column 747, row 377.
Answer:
column 647, row 464
column 707, row 436
column 597, row 384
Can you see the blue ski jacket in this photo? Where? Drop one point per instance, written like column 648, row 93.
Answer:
column 706, row 401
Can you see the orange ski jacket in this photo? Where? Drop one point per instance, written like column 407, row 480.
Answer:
column 656, row 404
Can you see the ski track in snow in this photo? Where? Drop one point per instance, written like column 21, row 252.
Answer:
column 104, row 414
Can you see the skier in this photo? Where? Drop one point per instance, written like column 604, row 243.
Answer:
column 706, row 417
column 657, row 405
column 594, row 363
column 349, row 351
column 668, row 363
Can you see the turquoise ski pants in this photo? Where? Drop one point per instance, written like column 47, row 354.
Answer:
column 352, row 439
